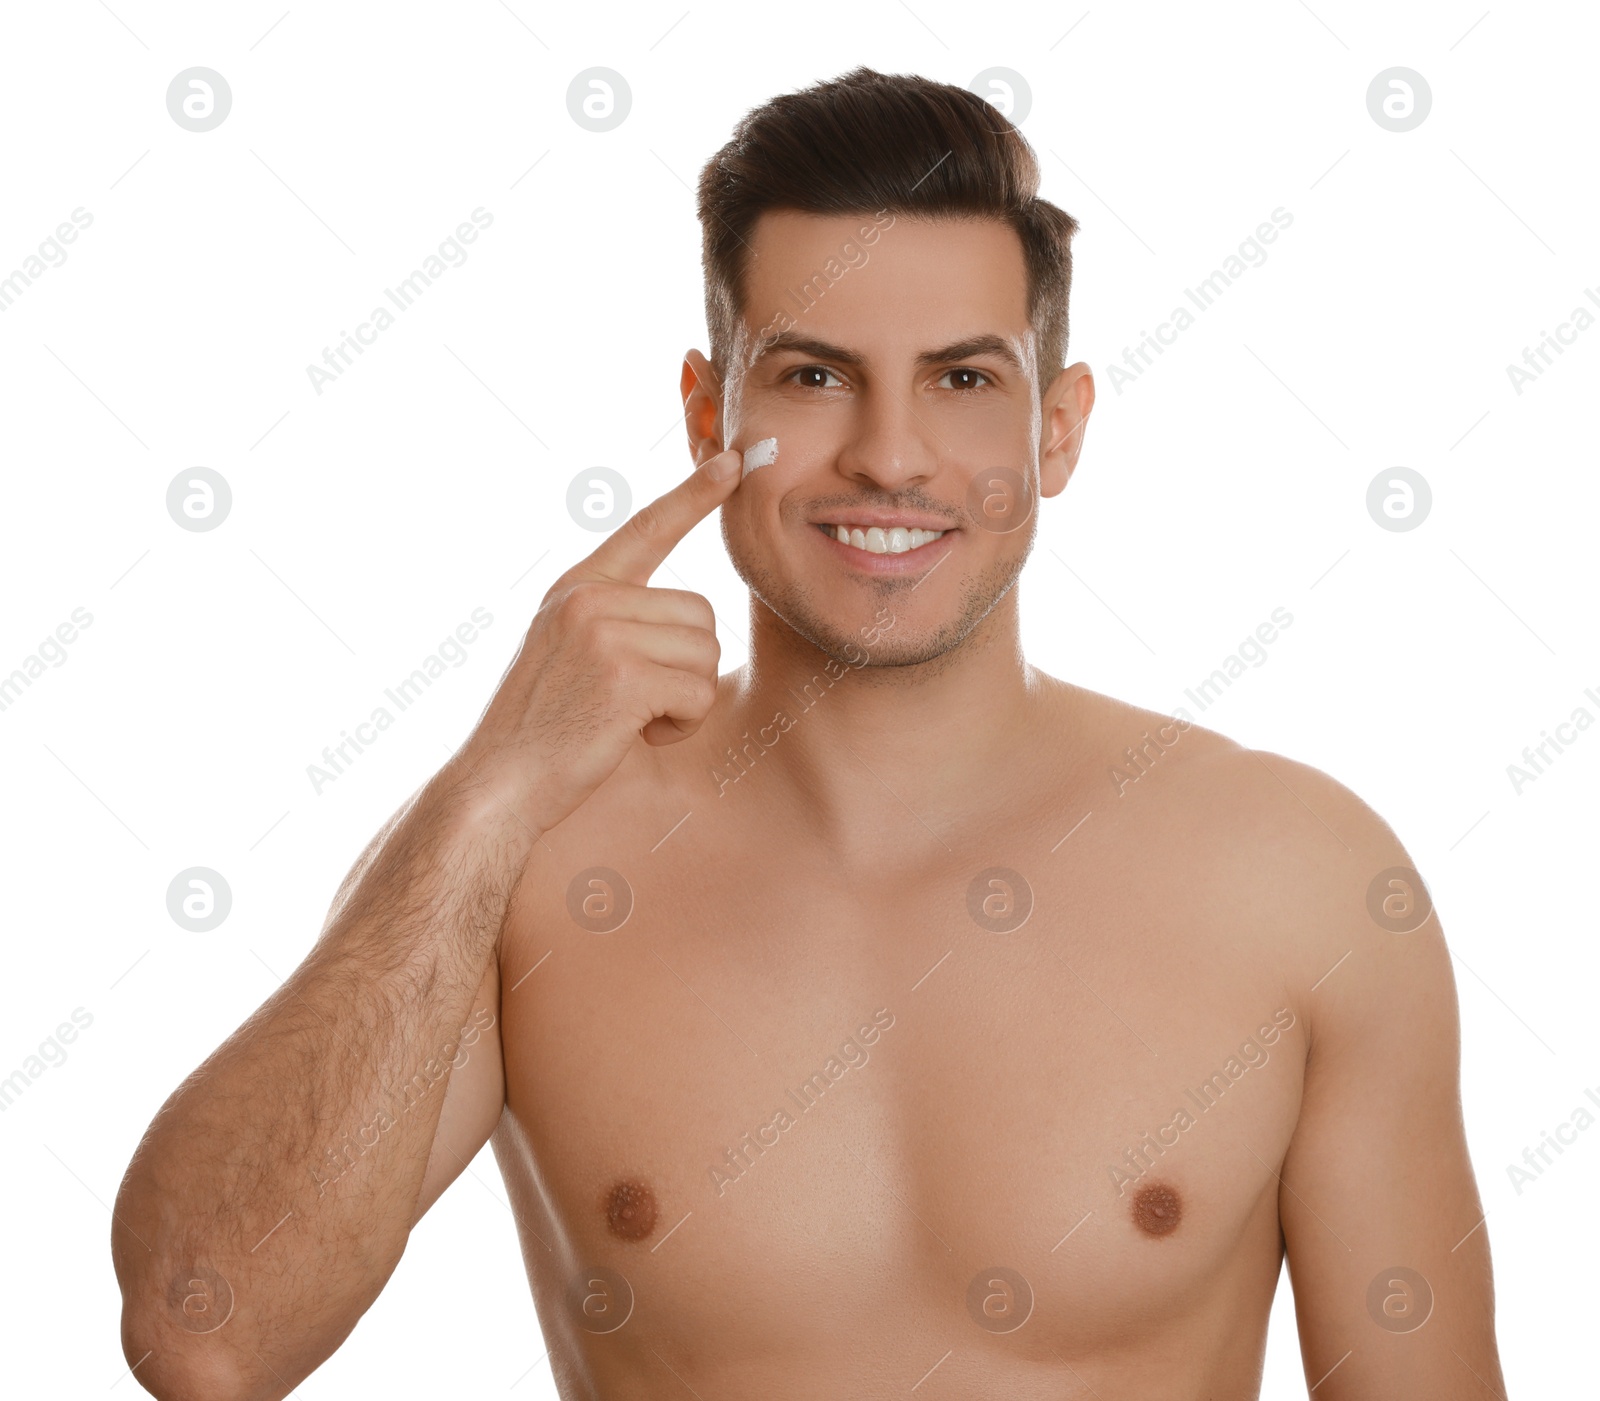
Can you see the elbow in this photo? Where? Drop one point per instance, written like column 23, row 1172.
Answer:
column 172, row 1366
column 171, row 1353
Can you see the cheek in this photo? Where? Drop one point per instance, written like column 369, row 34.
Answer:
column 993, row 432
column 744, row 525
column 757, row 531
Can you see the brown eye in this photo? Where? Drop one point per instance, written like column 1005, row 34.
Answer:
column 802, row 376
column 969, row 374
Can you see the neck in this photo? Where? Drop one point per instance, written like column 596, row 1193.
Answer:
column 867, row 756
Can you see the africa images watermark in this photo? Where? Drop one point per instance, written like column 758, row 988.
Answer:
column 853, row 1053
column 1565, row 1135
column 403, row 695
column 408, row 1094
column 51, row 254
column 52, row 650
column 817, row 285
column 1142, row 760
column 1251, row 254
column 52, row 1052
column 741, row 761
column 404, row 296
column 1567, row 731
column 1140, row 1158
column 1252, row 649
column 1537, row 358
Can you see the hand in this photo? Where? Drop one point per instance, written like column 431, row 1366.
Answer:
column 605, row 660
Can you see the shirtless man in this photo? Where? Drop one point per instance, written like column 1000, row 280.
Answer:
column 884, row 1015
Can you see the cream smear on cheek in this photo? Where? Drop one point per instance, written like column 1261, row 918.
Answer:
column 759, row 455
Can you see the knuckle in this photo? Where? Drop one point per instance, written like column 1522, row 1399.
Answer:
column 647, row 520
column 568, row 603
column 710, row 648
column 604, row 637
column 700, row 693
column 584, row 604
column 563, row 585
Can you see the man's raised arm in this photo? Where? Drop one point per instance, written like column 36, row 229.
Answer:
column 249, row 1234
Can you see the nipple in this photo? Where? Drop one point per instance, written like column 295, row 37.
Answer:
column 1157, row 1210
column 630, row 1209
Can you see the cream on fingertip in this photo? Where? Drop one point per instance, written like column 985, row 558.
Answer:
column 760, row 455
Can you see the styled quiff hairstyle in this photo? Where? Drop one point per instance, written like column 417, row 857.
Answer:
column 867, row 142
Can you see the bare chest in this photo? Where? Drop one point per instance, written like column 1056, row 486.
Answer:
column 746, row 1090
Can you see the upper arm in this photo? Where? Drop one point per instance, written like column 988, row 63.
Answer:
column 475, row 1094
column 1387, row 1250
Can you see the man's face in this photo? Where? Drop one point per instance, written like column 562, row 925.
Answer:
column 901, row 380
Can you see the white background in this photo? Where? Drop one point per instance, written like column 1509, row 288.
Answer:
column 430, row 479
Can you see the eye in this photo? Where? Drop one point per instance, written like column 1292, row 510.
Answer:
column 968, row 371
column 799, row 370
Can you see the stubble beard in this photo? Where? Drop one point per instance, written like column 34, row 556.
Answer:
column 845, row 640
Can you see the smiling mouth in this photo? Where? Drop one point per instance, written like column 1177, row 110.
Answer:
column 875, row 540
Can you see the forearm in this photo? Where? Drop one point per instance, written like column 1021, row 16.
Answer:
column 282, row 1175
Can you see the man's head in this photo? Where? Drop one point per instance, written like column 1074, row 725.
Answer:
column 885, row 295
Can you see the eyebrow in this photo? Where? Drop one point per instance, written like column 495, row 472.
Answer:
column 968, row 348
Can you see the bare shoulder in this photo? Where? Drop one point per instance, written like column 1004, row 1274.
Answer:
column 1353, row 916
column 1255, row 800
column 1286, row 856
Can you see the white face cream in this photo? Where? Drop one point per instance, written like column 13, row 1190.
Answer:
column 759, row 455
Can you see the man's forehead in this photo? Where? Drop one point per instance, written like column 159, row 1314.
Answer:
column 859, row 285
column 780, row 232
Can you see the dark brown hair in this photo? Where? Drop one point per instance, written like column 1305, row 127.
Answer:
column 867, row 142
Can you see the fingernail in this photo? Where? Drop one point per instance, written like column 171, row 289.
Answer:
column 722, row 466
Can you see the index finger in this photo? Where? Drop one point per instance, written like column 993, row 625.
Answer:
column 636, row 549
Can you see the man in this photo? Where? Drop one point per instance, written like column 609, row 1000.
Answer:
column 884, row 1015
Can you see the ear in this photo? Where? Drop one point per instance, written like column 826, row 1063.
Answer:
column 1065, row 409
column 702, row 406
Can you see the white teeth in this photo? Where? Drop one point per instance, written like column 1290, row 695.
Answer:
column 897, row 540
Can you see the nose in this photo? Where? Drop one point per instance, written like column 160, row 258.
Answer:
column 891, row 444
